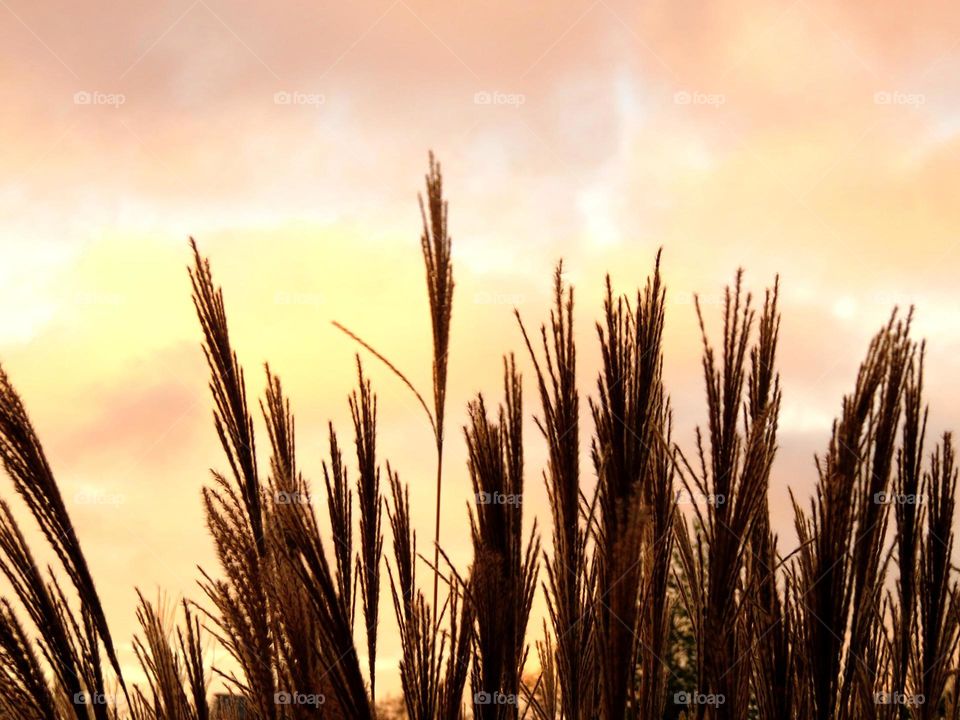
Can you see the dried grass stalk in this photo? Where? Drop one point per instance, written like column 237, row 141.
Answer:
column 26, row 465
column 234, row 509
column 363, row 408
column 504, row 570
column 728, row 490
column 567, row 586
column 635, row 501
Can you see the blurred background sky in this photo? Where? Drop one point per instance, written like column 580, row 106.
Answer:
column 817, row 140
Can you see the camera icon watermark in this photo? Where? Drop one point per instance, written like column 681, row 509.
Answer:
column 93, row 698
column 291, row 498
column 298, row 698
column 896, row 97
column 689, row 97
column 95, row 97
column 685, row 497
column 886, row 498
column 485, row 97
column 295, row 97
column 698, row 698
column 498, row 498
column 495, row 698
column 898, row 698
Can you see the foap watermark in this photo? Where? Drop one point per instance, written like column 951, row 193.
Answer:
column 308, row 299
column 295, row 97
column 95, row 97
column 494, row 698
column 291, row 498
column 99, row 497
column 94, row 698
column 886, row 498
column 299, row 698
column 698, row 698
column 498, row 498
column 898, row 97
column 898, row 698
column 690, row 97
column 685, row 497
column 486, row 97
column 498, row 298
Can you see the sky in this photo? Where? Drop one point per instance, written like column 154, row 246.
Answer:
column 814, row 140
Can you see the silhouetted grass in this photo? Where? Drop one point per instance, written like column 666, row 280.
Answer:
column 860, row 621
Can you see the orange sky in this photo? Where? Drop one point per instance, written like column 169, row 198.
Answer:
column 814, row 139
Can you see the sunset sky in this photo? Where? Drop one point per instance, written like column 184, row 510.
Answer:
column 817, row 140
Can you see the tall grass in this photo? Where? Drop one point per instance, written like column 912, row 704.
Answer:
column 861, row 620
column 567, row 587
column 728, row 489
column 504, row 570
column 635, row 500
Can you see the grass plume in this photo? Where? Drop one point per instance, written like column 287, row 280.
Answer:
column 648, row 602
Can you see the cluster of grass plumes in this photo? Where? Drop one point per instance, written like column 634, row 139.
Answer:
column 504, row 571
column 565, row 687
column 728, row 490
column 175, row 671
column 68, row 632
column 635, row 501
column 657, row 608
